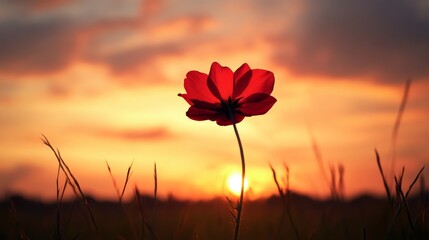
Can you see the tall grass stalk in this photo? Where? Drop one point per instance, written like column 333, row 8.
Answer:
column 145, row 221
column 115, row 185
column 179, row 227
column 57, row 223
column 341, row 188
column 142, row 217
column 386, row 185
column 364, row 233
column 155, row 187
column 127, row 178
column 334, row 192
column 155, row 199
column 287, row 177
column 423, row 198
column 60, row 195
column 285, row 197
column 72, row 181
column 319, row 159
column 398, row 181
column 398, row 119
column 121, row 196
column 402, row 202
column 414, row 182
column 22, row 234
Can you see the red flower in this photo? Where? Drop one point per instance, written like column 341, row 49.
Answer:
column 227, row 97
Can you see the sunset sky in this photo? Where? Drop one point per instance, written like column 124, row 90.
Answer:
column 100, row 78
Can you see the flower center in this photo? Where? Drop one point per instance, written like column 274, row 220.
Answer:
column 228, row 108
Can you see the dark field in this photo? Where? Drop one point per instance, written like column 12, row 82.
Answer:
column 361, row 218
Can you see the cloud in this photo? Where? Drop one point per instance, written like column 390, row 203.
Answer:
column 36, row 47
column 145, row 134
column 170, row 37
column 149, row 8
column 40, row 5
column 128, row 61
column 58, row 91
column 7, row 91
column 9, row 176
column 40, row 42
column 50, row 41
column 388, row 41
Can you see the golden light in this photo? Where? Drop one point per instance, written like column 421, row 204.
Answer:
column 234, row 183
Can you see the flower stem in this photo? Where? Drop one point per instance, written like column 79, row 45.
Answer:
column 243, row 173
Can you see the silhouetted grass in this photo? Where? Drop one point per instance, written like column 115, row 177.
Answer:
column 398, row 119
column 285, row 196
column 332, row 219
column 72, row 181
column 120, row 196
column 383, row 177
column 316, row 219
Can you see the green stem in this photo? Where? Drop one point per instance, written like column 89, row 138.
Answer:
column 243, row 173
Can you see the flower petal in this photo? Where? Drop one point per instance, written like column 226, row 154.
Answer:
column 256, row 104
column 224, row 121
column 220, row 81
column 242, row 78
column 196, row 87
column 206, row 105
column 186, row 97
column 201, row 114
column 261, row 81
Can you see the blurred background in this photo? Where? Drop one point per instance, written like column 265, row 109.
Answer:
column 100, row 80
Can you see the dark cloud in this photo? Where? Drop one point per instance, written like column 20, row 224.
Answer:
column 51, row 42
column 387, row 40
column 384, row 40
column 39, row 5
column 50, row 45
column 36, row 46
column 37, row 42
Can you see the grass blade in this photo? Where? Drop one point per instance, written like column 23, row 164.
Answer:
column 404, row 202
column 386, row 185
column 115, row 185
column 127, row 177
column 414, row 181
column 155, row 183
column 286, row 202
column 72, row 181
column 398, row 122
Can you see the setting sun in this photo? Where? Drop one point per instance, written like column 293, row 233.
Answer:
column 234, row 183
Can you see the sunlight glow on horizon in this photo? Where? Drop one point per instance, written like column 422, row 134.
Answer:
column 234, row 184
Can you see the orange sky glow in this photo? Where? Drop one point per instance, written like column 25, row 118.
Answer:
column 100, row 80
